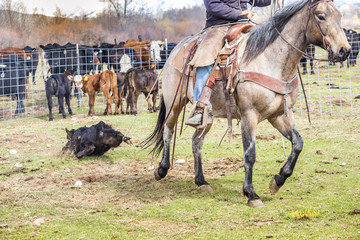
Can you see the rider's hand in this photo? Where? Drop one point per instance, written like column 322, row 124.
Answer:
column 247, row 13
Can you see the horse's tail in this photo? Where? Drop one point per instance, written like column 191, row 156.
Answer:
column 156, row 136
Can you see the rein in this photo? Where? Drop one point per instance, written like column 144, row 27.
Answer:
column 311, row 13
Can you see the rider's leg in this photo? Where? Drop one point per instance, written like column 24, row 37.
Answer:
column 202, row 74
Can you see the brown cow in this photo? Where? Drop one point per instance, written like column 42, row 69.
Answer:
column 5, row 52
column 105, row 81
column 143, row 51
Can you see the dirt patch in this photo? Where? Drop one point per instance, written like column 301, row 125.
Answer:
column 129, row 184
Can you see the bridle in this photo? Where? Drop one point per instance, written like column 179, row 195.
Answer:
column 311, row 8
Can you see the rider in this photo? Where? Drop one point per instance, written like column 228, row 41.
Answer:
column 218, row 12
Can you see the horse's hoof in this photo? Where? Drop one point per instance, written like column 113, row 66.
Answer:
column 273, row 187
column 205, row 188
column 156, row 175
column 257, row 203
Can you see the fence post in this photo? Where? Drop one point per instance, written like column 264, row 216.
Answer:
column 79, row 73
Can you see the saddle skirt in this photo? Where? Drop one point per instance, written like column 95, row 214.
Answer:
column 204, row 46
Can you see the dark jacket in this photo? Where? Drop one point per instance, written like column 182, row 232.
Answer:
column 227, row 11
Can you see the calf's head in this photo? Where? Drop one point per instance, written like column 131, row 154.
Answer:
column 79, row 81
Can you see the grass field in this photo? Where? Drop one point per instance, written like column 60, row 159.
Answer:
column 120, row 199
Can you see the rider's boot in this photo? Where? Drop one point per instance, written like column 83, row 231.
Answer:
column 196, row 117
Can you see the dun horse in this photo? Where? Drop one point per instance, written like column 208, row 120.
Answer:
column 274, row 49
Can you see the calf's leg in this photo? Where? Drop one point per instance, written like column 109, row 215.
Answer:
column 61, row 105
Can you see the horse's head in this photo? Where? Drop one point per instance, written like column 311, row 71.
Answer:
column 324, row 30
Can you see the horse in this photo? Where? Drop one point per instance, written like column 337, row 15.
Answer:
column 274, row 49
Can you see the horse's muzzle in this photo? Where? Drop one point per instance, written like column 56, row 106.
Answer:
column 341, row 56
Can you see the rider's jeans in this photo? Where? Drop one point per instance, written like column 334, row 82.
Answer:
column 202, row 74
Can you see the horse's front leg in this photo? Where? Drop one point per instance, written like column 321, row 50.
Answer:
column 286, row 127
column 248, row 131
column 197, row 143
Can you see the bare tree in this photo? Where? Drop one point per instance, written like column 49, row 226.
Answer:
column 14, row 13
column 121, row 7
column 58, row 16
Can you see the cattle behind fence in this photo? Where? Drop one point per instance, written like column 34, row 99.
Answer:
column 332, row 90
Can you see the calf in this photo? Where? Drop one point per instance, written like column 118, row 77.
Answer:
column 121, row 90
column 105, row 81
column 94, row 140
column 140, row 81
column 60, row 86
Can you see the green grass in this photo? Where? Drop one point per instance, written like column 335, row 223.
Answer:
column 120, row 199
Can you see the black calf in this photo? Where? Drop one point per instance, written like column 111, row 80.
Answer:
column 94, row 140
column 60, row 86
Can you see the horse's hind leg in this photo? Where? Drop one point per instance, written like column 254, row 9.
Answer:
column 197, row 143
column 286, row 127
column 168, row 131
column 164, row 165
column 248, row 131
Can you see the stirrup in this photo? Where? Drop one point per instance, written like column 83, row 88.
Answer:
column 191, row 120
column 207, row 118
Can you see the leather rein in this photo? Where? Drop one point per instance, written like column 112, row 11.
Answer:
column 311, row 8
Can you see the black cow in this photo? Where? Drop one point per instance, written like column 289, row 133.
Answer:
column 68, row 58
column 60, row 86
column 104, row 52
column 55, row 55
column 353, row 38
column 87, row 59
column 94, row 140
column 310, row 51
column 32, row 63
column 13, row 72
column 164, row 54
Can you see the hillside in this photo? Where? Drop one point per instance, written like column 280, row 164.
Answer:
column 18, row 29
column 21, row 29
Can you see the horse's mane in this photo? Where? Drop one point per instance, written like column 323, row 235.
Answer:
column 265, row 33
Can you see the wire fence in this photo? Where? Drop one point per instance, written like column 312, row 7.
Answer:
column 333, row 90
